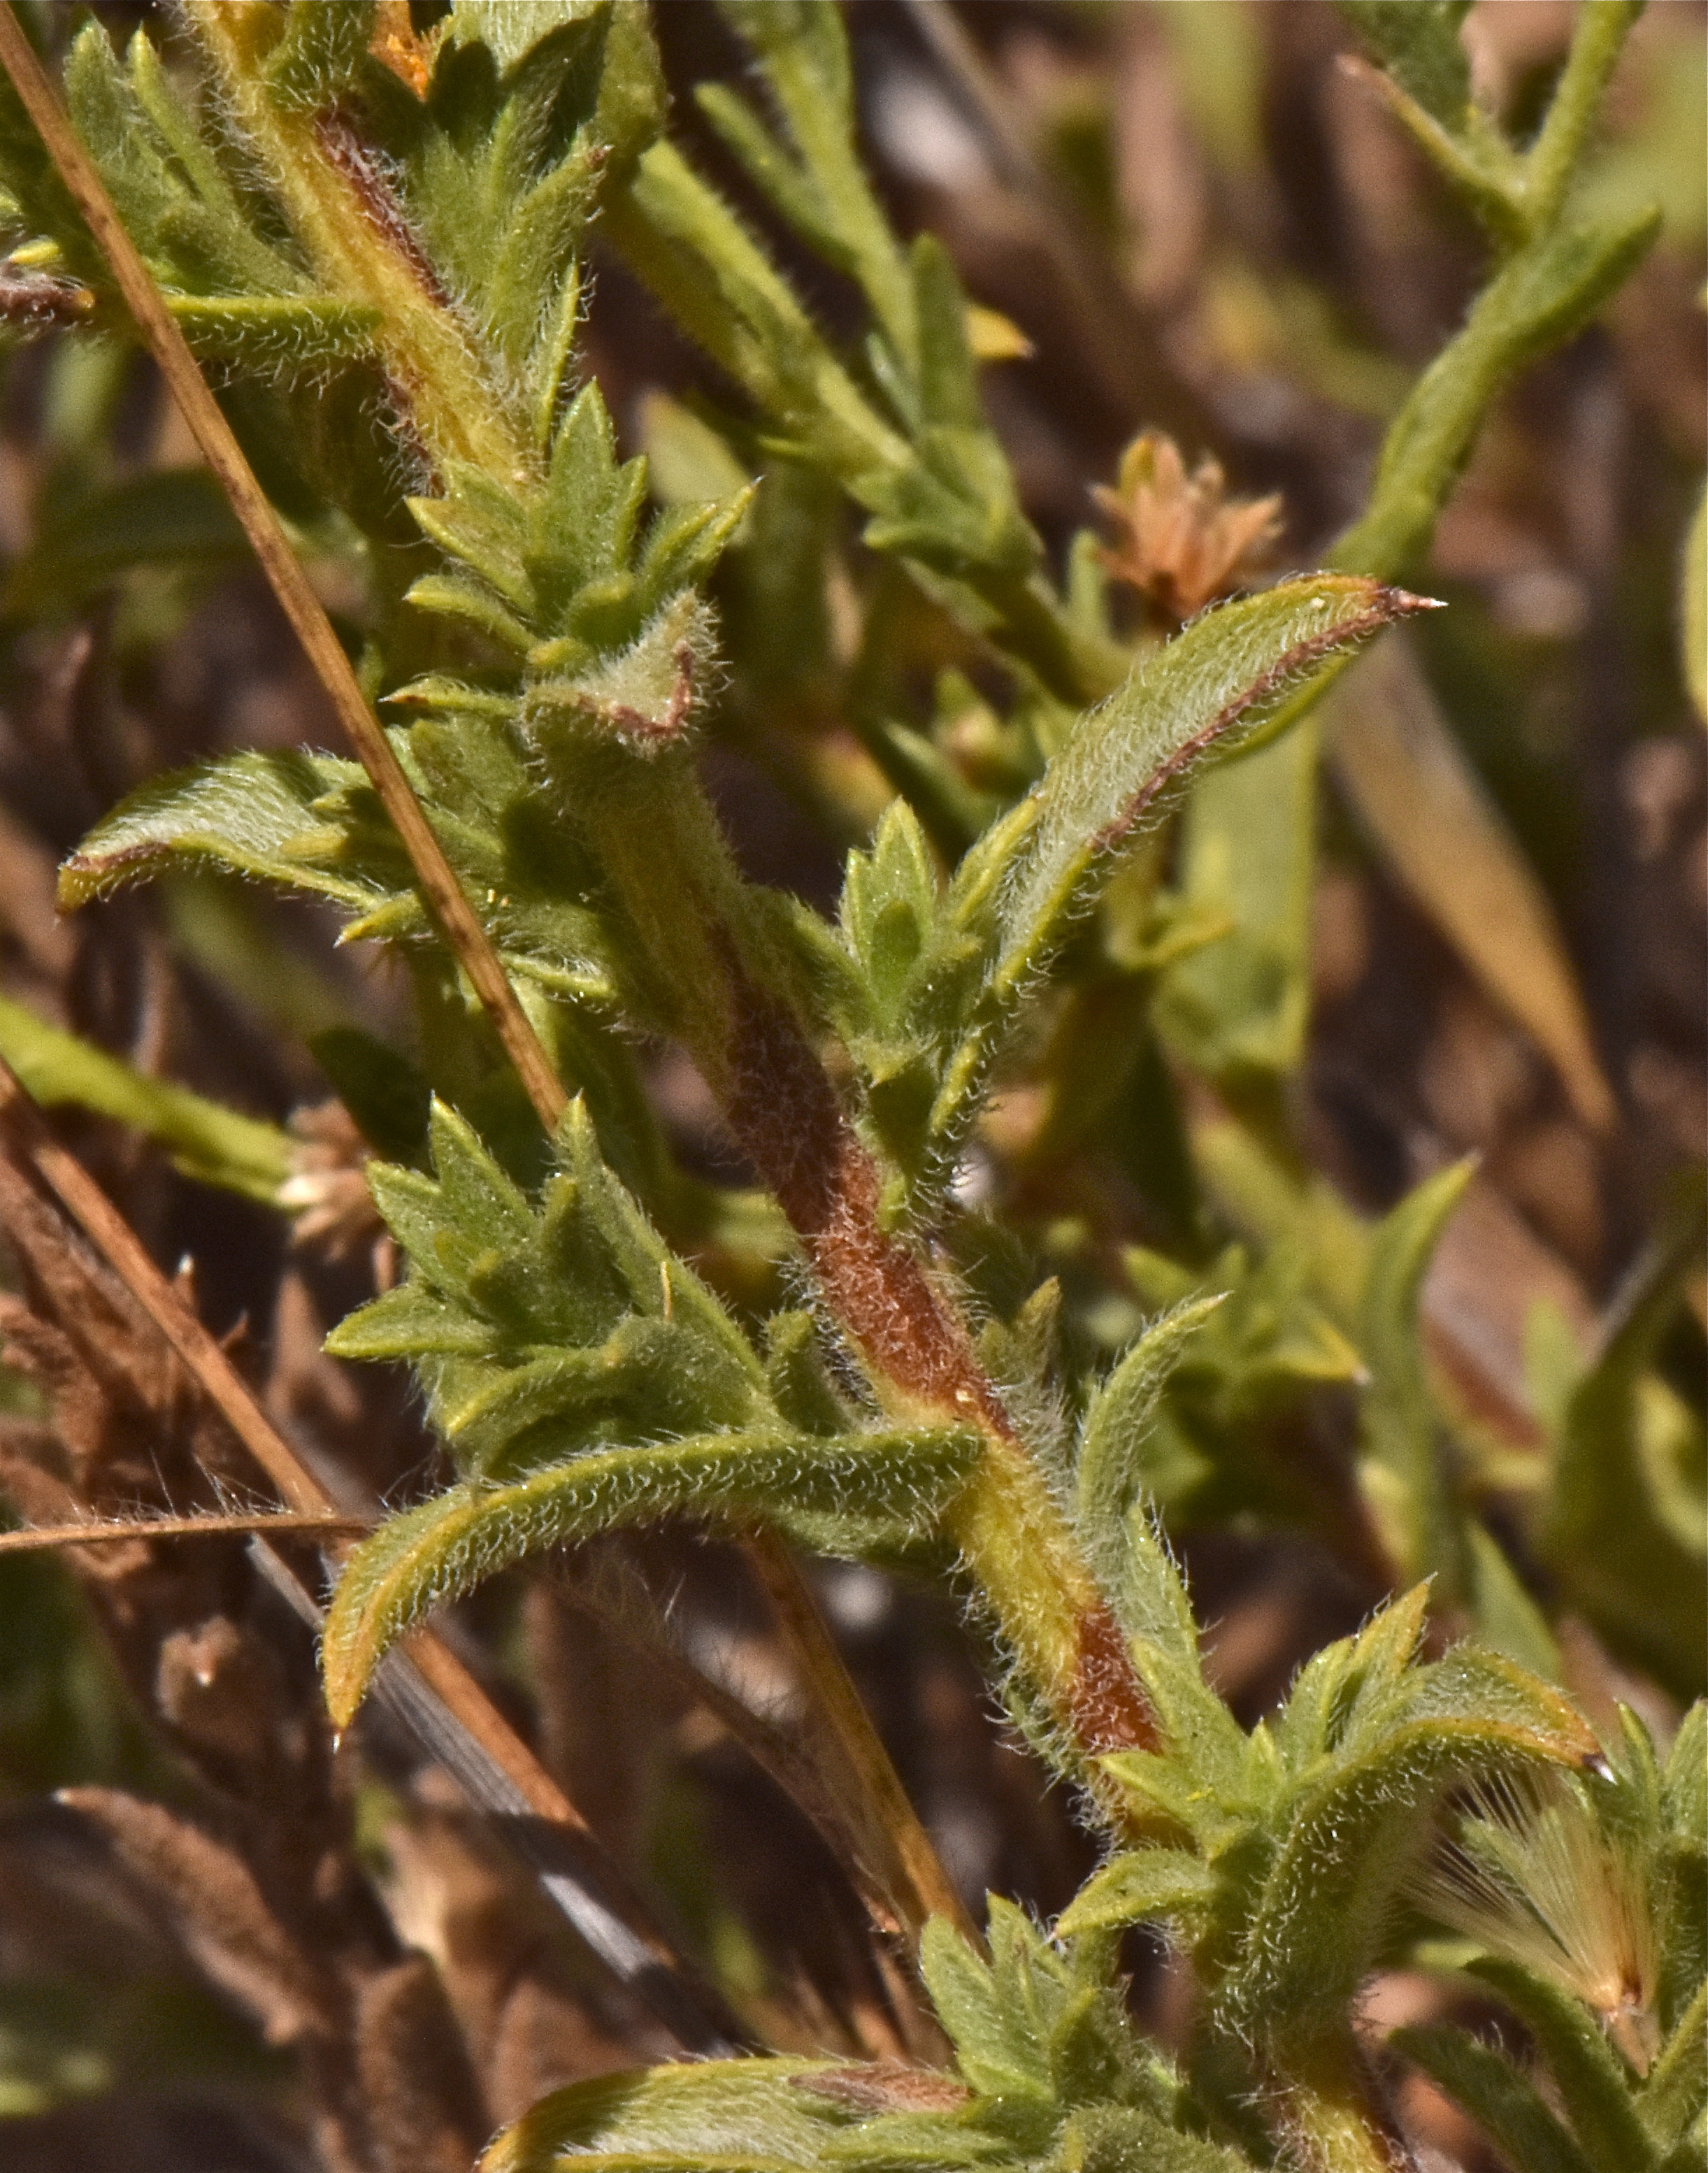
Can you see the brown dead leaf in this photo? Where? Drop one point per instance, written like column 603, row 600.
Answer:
column 215, row 1907
column 422, row 2099
column 222, row 1688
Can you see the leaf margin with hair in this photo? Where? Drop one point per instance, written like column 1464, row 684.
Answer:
column 1039, row 869
column 446, row 1545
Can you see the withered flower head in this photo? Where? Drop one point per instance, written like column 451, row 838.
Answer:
column 1180, row 540
column 396, row 44
column 328, row 1183
column 1531, row 1876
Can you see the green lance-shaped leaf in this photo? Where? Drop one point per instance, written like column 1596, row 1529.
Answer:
column 563, row 577
column 1159, row 1610
column 819, row 183
column 448, row 1545
column 1419, row 42
column 311, row 822
column 1203, row 1781
column 1110, row 1475
column 1675, row 2089
column 1356, row 1821
column 214, row 1145
column 797, row 1378
column 544, row 1330
column 164, row 176
column 1594, row 2085
column 1040, row 2032
column 712, row 2116
column 1518, row 2118
column 1144, row 1886
column 1402, row 1464
column 1241, row 1006
column 275, row 335
column 995, row 2040
column 512, row 35
column 1122, row 765
column 1337, row 1684
column 531, row 109
column 1202, row 690
column 1624, row 1525
column 268, row 816
column 237, row 298
column 1681, row 1888
column 315, row 62
column 482, row 522
column 1685, row 1786
column 888, row 913
column 1116, row 2139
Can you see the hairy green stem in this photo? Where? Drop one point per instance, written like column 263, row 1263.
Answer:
column 343, row 213
column 716, row 974
column 1598, row 37
column 1325, row 2109
column 715, row 971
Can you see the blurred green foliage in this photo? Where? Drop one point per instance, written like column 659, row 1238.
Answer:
column 579, row 1309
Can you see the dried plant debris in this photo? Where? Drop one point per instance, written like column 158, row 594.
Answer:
column 837, row 1177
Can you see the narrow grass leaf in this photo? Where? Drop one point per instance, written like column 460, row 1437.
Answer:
column 214, row 1145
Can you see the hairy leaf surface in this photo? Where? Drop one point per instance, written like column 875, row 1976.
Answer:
column 1026, row 885
column 448, row 1545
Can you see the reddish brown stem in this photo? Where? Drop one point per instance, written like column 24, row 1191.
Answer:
column 784, row 1109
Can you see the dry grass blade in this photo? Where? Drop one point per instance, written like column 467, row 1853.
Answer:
column 468, row 1712
column 805, row 1778
column 117, row 1531
column 22, row 1121
column 867, row 1769
column 426, row 1688
column 1397, row 762
column 891, row 1846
